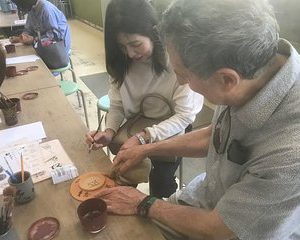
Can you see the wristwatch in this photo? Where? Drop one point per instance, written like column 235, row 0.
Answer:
column 140, row 138
column 144, row 206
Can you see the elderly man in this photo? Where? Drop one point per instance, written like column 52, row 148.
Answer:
column 45, row 18
column 229, row 51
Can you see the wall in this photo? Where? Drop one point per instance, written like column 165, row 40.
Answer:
column 89, row 11
column 288, row 16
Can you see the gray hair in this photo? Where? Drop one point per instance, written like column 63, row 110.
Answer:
column 213, row 34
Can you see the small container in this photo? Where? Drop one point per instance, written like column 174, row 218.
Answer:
column 11, row 234
column 92, row 214
column 10, row 113
column 24, row 190
column 18, row 102
column 11, row 71
column 10, row 48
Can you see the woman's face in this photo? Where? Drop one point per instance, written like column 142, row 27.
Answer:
column 137, row 47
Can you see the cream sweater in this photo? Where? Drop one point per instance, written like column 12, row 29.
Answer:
column 142, row 80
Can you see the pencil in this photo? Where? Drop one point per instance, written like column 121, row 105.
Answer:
column 22, row 168
column 99, row 126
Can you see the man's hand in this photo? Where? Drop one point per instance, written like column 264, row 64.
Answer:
column 98, row 139
column 130, row 142
column 128, row 158
column 122, row 200
column 26, row 39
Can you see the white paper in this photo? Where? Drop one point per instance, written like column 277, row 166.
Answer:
column 20, row 22
column 39, row 159
column 31, row 132
column 22, row 59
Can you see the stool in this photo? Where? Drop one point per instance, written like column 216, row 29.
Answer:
column 102, row 105
column 70, row 87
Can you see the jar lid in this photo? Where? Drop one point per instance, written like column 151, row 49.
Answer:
column 30, row 96
column 45, row 228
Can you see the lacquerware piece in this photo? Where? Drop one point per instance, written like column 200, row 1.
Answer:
column 80, row 194
column 44, row 229
column 30, row 96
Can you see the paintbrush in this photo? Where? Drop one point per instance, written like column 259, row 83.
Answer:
column 99, row 126
column 22, row 168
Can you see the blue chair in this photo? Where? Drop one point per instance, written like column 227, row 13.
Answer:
column 70, row 87
column 102, row 105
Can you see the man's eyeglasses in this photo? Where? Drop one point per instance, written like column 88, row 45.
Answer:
column 222, row 131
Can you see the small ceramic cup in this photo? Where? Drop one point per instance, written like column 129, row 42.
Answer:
column 10, row 113
column 11, row 71
column 24, row 190
column 92, row 214
column 10, row 234
column 18, row 102
column 10, row 48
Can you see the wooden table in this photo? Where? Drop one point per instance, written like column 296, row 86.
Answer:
column 8, row 20
column 39, row 79
column 61, row 122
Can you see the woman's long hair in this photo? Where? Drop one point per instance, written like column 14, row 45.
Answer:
column 131, row 17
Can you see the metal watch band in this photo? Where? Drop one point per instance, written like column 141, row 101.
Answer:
column 140, row 138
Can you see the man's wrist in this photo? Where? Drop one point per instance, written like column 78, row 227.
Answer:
column 145, row 205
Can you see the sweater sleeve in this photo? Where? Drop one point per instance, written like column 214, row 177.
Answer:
column 115, row 115
column 187, row 104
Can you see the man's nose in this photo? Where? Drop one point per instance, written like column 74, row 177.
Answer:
column 130, row 52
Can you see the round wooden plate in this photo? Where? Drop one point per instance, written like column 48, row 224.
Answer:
column 81, row 195
column 45, row 228
column 91, row 181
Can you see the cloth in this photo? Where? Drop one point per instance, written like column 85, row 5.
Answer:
column 257, row 192
column 48, row 19
column 162, row 179
column 141, row 80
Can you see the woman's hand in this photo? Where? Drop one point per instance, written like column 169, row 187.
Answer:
column 26, row 39
column 122, row 200
column 14, row 39
column 99, row 139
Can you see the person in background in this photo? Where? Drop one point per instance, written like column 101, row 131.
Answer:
column 2, row 65
column 138, row 65
column 229, row 51
column 44, row 18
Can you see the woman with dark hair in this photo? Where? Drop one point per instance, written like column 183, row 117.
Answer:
column 138, row 65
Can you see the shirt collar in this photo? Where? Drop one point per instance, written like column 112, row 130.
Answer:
column 37, row 6
column 259, row 109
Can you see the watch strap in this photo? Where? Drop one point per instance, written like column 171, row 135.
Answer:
column 140, row 138
column 144, row 206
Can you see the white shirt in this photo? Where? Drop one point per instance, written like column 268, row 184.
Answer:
column 142, row 80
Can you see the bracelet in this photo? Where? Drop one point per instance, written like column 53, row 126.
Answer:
column 144, row 206
column 140, row 138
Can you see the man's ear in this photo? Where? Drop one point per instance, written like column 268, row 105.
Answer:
column 228, row 78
